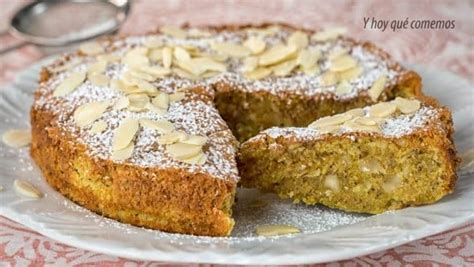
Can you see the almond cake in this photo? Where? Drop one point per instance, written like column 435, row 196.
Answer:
column 382, row 157
column 145, row 129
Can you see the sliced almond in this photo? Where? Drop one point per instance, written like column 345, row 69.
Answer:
column 171, row 138
column 156, row 70
column 184, row 74
column 99, row 127
column 331, row 120
column 70, row 83
column 174, row 31
column 109, row 58
column 276, row 54
column 275, row 229
column 123, row 154
column 230, row 49
column 153, row 42
column 337, row 53
column 329, row 129
column 124, row 134
column 354, row 126
column 377, row 88
column 350, row 74
column 178, row 96
column 181, row 54
column 407, row 106
column 156, row 54
column 366, row 121
column 249, row 64
column 314, row 70
column 198, row 159
column 382, row 110
column 328, row 34
column 136, row 57
column 139, row 74
column 343, row 63
column 98, row 79
column 308, row 58
column 195, row 140
column 161, row 100
column 329, row 78
column 357, row 112
column 258, row 74
column 118, row 85
column 16, row 138
column 284, row 68
column 137, row 102
column 89, row 112
column 332, row 182
column 97, row 68
column 298, row 39
column 208, row 64
column 121, row 103
column 27, row 189
column 155, row 109
column 183, row 151
column 255, row 44
column 91, row 48
column 167, row 57
column 194, row 32
column 161, row 126
column 343, row 88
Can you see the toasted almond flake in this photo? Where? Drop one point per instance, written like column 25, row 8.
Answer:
column 332, row 182
column 178, row 96
column 27, row 189
column 382, row 110
column 337, row 53
column 172, row 137
column 153, row 42
column 98, row 79
column 255, row 44
column 298, row 39
column 329, row 78
column 284, row 68
column 230, row 49
column 350, row 74
column 275, row 229
column 195, row 140
column 167, row 57
column 121, row 103
column 329, row 34
column 70, row 83
column 277, row 54
column 16, row 138
column 184, row 74
column 91, row 48
column 329, row 129
column 123, row 154
column 161, row 126
column 89, row 112
column 407, row 106
column 343, row 63
column 377, row 88
column 181, row 54
column 156, row 70
column 308, row 58
column 98, row 127
column 97, row 68
column 343, row 88
column 258, row 74
column 314, row 70
column 161, row 100
column 249, row 64
column 360, row 127
column 183, row 151
column 366, row 121
column 137, row 102
column 331, row 120
column 198, row 159
column 356, row 112
column 124, row 134
column 174, row 31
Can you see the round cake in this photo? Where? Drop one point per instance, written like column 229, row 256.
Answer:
column 145, row 129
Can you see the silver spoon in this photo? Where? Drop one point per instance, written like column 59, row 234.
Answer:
column 62, row 22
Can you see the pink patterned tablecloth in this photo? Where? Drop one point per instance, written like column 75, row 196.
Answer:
column 451, row 50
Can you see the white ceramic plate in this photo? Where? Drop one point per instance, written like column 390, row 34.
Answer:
column 327, row 234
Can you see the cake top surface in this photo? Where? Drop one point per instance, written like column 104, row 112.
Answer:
column 392, row 119
column 147, row 100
